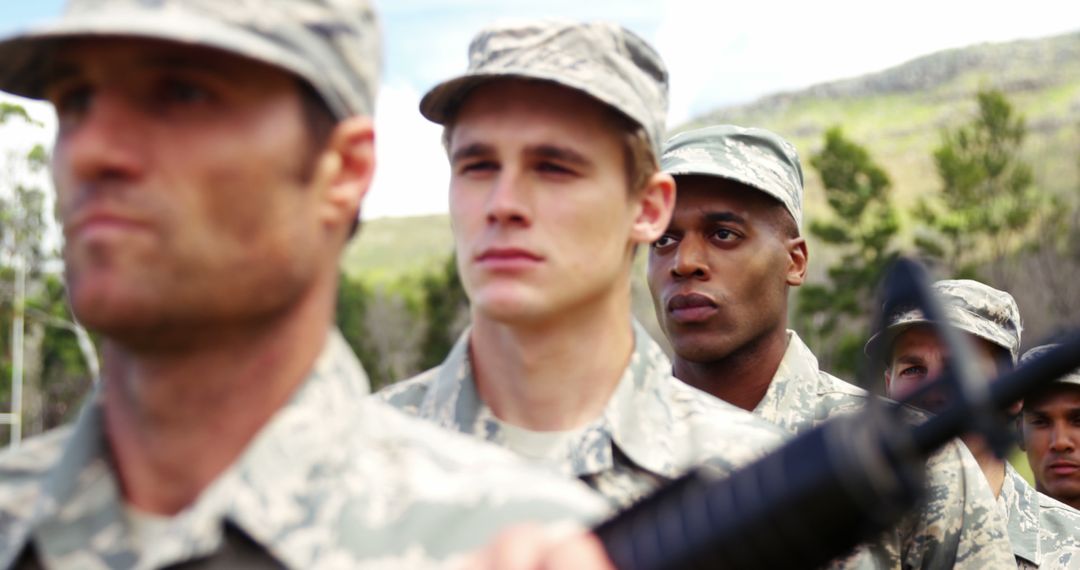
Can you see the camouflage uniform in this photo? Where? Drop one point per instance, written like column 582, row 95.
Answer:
column 1037, row 523
column 333, row 480
column 959, row 526
column 652, row 430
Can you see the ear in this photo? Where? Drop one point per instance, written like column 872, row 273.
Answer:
column 888, row 382
column 798, row 257
column 344, row 171
column 657, row 202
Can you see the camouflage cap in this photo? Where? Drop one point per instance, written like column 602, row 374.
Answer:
column 600, row 59
column 1071, row 378
column 754, row 157
column 972, row 307
column 333, row 45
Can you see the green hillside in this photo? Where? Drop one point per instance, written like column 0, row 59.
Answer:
column 897, row 113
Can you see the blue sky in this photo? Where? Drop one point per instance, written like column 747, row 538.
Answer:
column 718, row 53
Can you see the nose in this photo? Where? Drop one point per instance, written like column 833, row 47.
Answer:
column 690, row 262
column 1061, row 440
column 102, row 144
column 508, row 202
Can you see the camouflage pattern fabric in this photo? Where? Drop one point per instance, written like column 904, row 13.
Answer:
column 958, row 527
column 970, row 306
column 1071, row 378
column 334, row 480
column 653, row 429
column 602, row 60
column 331, row 44
column 1037, row 524
column 757, row 158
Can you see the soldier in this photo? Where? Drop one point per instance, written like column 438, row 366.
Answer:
column 210, row 163
column 990, row 318
column 720, row 275
column 1051, row 435
column 553, row 136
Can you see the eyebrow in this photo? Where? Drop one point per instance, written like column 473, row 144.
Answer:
column 546, row 151
column 909, row 359
column 471, row 151
column 559, row 153
column 723, row 216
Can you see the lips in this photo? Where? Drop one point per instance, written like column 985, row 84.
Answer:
column 1063, row 468
column 508, row 259
column 97, row 222
column 691, row 308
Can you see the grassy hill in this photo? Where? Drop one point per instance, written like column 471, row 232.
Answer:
column 897, row 113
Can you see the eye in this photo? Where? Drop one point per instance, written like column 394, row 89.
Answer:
column 1036, row 421
column 175, row 92
column 725, row 235
column 552, row 168
column 663, row 241
column 477, row 166
column 72, row 100
column 913, row 371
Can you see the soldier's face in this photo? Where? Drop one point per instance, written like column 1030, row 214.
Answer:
column 181, row 186
column 719, row 274
column 1051, row 429
column 542, row 219
column 918, row 357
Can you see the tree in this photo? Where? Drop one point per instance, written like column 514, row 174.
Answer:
column 56, row 356
column 987, row 201
column 862, row 228
column 446, row 310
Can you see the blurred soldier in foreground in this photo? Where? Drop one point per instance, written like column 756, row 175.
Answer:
column 990, row 318
column 1051, row 435
column 209, row 165
column 719, row 277
column 553, row 136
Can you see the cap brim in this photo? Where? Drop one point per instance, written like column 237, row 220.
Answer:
column 24, row 56
column 880, row 342
column 441, row 103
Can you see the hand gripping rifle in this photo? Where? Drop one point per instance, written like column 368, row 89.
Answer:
column 830, row 489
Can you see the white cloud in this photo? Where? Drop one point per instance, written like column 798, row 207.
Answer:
column 411, row 173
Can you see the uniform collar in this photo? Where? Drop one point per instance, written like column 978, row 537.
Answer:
column 80, row 516
column 636, row 419
column 1020, row 503
column 796, row 383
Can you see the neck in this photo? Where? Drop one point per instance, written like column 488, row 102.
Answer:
column 553, row 375
column 743, row 376
column 183, row 416
column 992, row 466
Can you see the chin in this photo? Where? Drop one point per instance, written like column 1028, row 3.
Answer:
column 508, row 304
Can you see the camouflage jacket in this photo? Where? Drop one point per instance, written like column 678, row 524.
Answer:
column 652, row 430
column 333, row 480
column 1038, row 524
column 958, row 527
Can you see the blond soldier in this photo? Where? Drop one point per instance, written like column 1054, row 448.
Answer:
column 209, row 165
column 1037, row 524
column 719, row 277
column 552, row 136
